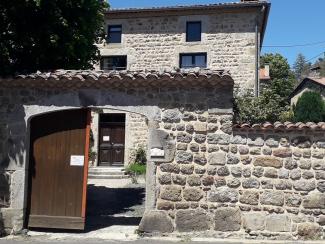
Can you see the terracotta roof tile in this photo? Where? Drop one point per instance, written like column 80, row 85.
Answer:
column 142, row 78
column 281, row 126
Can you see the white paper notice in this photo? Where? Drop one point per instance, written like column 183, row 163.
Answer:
column 77, row 160
column 106, row 138
column 157, row 152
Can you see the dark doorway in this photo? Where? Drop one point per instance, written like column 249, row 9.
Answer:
column 58, row 170
column 111, row 139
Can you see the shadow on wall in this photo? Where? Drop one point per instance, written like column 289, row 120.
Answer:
column 113, row 206
column 2, row 227
column 27, row 104
column 14, row 133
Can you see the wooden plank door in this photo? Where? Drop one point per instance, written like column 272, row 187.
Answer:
column 58, row 169
column 111, row 144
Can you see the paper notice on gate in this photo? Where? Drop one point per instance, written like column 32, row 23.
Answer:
column 77, row 160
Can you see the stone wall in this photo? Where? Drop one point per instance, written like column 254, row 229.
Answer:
column 265, row 184
column 154, row 43
column 19, row 106
column 137, row 127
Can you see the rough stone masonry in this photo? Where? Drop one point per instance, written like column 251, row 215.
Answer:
column 155, row 42
column 248, row 183
column 154, row 96
column 266, row 183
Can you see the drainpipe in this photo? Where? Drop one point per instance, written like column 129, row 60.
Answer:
column 257, row 60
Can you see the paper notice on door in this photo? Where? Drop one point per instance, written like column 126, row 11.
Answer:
column 77, row 160
column 106, row 138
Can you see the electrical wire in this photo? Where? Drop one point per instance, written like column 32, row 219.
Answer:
column 296, row 45
column 315, row 56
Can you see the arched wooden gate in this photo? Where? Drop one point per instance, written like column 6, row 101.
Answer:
column 58, row 169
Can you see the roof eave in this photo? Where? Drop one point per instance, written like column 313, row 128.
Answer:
column 265, row 21
column 193, row 7
column 301, row 84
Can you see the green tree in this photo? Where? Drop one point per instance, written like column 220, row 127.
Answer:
column 321, row 63
column 272, row 104
column 46, row 35
column 310, row 107
column 301, row 67
column 279, row 66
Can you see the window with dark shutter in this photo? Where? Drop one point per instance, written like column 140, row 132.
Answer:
column 193, row 31
column 192, row 60
column 113, row 63
column 114, row 34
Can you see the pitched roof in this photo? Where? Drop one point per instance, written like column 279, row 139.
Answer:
column 278, row 126
column 320, row 81
column 91, row 78
column 317, row 81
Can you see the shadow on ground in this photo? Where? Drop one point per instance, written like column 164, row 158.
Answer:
column 110, row 206
column 113, row 206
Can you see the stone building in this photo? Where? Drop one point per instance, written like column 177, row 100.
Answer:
column 316, row 84
column 213, row 37
column 205, row 176
column 217, row 36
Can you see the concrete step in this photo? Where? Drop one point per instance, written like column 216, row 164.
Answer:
column 107, row 173
column 102, row 169
column 108, row 177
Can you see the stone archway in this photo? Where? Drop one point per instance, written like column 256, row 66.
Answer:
column 168, row 100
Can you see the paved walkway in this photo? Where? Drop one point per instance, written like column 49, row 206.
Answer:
column 114, row 210
column 20, row 240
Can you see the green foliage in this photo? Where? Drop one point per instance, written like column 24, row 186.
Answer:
column 46, row 35
column 301, row 67
column 287, row 115
column 140, row 156
column 250, row 109
column 310, row 107
column 321, row 63
column 279, row 66
column 136, row 169
column 92, row 155
column 272, row 104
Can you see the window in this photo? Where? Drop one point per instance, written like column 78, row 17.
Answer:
column 114, row 34
column 113, row 63
column 193, row 31
column 192, row 60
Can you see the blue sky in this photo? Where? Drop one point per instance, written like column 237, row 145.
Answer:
column 291, row 22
